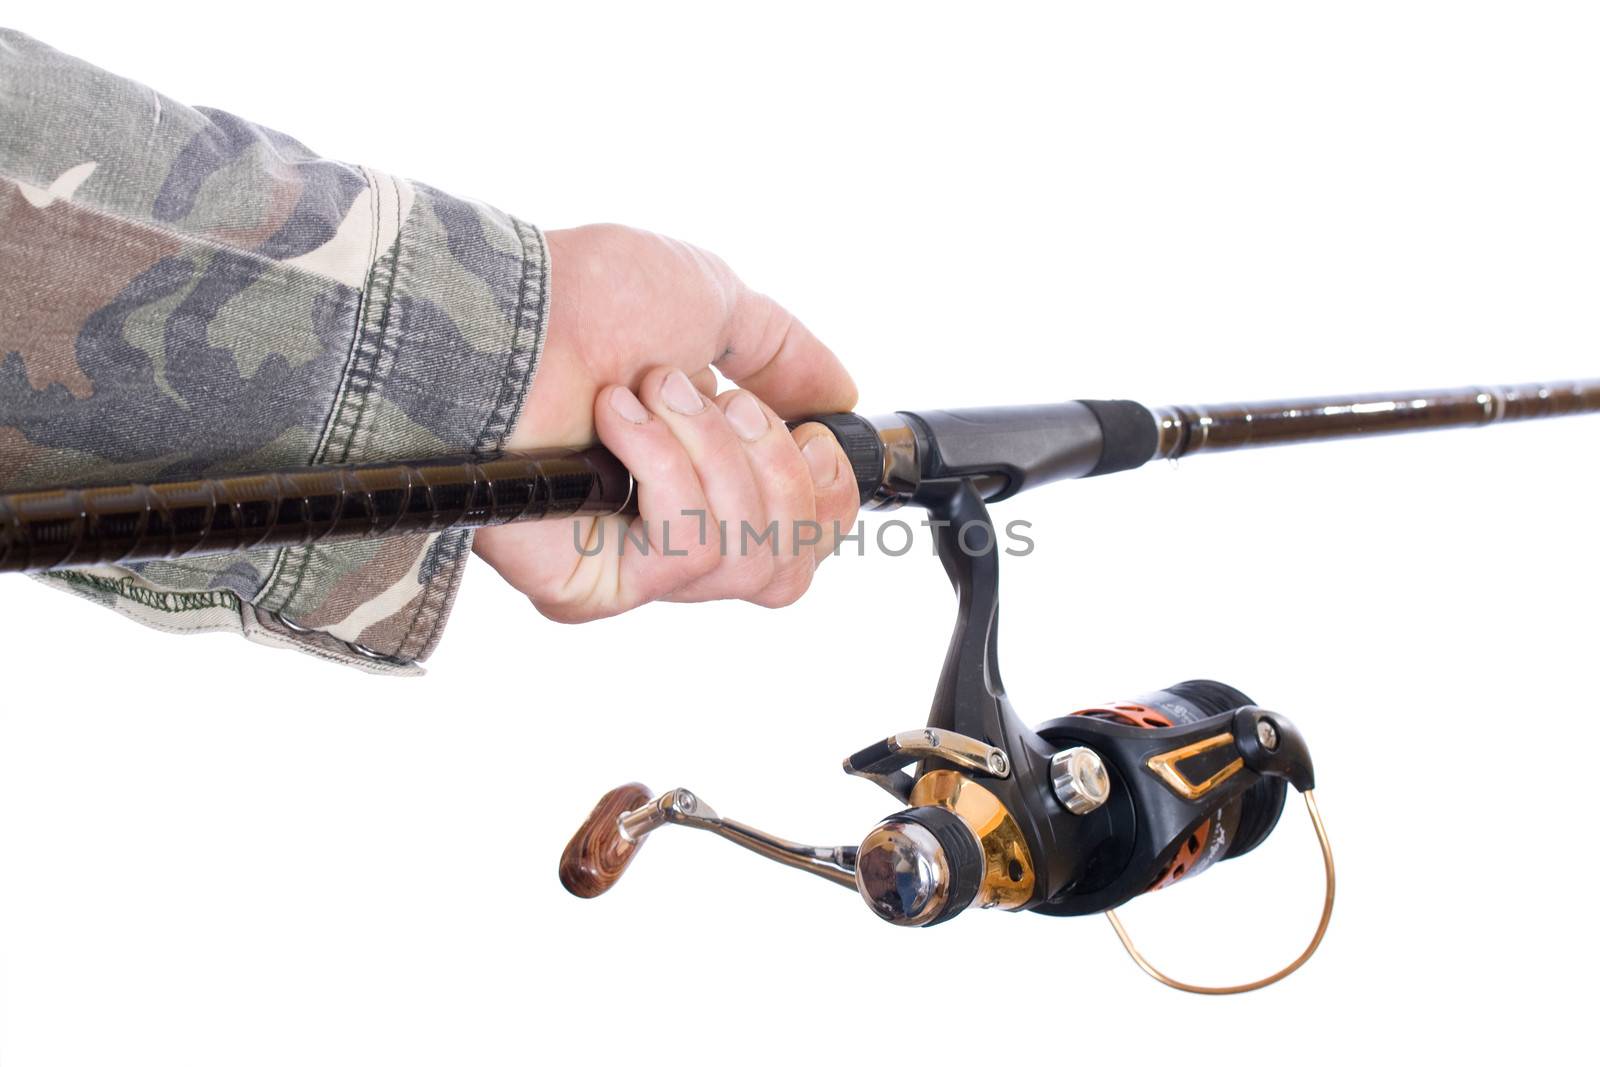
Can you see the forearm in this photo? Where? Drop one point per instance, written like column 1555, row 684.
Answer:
column 183, row 292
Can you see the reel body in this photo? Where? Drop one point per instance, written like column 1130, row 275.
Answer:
column 1113, row 833
column 1098, row 807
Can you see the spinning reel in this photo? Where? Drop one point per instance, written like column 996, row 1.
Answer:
column 1074, row 816
column 1071, row 817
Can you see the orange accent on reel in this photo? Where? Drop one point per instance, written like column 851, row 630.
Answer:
column 1136, row 715
column 1147, row 718
column 1183, row 862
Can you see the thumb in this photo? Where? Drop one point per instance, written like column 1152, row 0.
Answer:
column 770, row 352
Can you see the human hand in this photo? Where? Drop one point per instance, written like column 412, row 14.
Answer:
column 636, row 323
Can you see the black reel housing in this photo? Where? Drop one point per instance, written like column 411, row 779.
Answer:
column 1123, row 858
column 1200, row 779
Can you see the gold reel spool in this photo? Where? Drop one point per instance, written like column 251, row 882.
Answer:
column 1299, row 961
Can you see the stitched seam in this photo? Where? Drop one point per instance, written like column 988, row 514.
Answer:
column 448, row 590
column 436, row 591
column 529, row 317
column 281, row 558
column 324, row 440
column 361, row 382
column 382, row 362
column 521, row 365
column 172, row 603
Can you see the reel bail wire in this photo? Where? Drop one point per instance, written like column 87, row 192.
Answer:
column 1276, row 976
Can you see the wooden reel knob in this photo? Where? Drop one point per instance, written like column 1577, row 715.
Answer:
column 598, row 853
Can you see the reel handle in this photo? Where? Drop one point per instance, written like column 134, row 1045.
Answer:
column 599, row 852
column 606, row 842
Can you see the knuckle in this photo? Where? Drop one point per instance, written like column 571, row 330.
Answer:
column 661, row 466
column 701, row 559
column 751, row 572
column 564, row 611
column 786, row 478
column 787, row 587
column 565, row 597
column 843, row 503
column 726, row 453
column 797, row 489
column 778, row 327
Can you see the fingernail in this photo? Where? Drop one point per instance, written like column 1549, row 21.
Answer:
column 624, row 403
column 681, row 395
column 746, row 417
column 823, row 459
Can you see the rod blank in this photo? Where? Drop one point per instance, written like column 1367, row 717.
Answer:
column 1184, row 430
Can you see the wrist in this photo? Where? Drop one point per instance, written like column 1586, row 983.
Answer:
column 558, row 407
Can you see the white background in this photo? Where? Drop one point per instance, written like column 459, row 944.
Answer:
column 214, row 853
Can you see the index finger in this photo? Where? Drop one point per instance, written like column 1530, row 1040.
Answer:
column 771, row 353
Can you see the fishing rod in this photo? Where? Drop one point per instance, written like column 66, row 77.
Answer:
column 1075, row 816
column 1003, row 450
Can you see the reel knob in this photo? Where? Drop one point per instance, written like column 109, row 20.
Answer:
column 600, row 851
column 919, row 867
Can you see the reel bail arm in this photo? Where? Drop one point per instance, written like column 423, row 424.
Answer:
column 885, row 761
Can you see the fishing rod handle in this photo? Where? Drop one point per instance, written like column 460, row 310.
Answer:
column 79, row 527
column 1003, row 450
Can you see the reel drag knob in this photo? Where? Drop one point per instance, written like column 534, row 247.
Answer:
column 919, row 867
column 1078, row 776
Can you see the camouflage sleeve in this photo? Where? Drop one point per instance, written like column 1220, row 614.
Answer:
column 184, row 292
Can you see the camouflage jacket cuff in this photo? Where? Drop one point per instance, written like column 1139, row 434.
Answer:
column 188, row 293
column 448, row 340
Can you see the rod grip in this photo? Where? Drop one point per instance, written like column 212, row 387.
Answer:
column 76, row 527
column 1032, row 445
